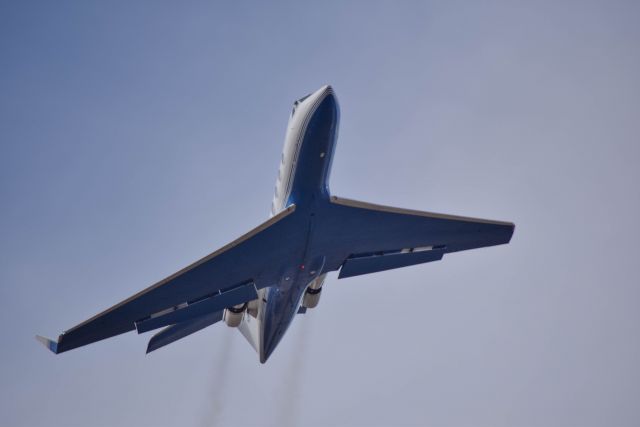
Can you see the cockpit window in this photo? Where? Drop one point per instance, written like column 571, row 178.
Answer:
column 296, row 103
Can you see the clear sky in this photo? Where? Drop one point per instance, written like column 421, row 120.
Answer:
column 136, row 137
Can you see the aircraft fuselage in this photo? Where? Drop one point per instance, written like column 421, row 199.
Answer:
column 302, row 180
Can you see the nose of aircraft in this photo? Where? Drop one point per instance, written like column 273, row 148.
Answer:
column 325, row 91
column 314, row 96
column 325, row 100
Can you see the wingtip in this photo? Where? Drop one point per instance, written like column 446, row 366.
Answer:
column 512, row 230
column 48, row 343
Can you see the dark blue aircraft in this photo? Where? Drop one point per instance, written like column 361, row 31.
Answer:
column 259, row 282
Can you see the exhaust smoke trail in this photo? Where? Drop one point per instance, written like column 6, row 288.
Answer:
column 295, row 375
column 219, row 380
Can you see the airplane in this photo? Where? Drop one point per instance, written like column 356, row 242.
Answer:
column 260, row 281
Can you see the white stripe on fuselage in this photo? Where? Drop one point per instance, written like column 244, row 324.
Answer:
column 302, row 112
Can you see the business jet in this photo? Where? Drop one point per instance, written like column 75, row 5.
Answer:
column 260, row 281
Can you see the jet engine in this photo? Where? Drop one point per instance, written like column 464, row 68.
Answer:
column 311, row 296
column 233, row 315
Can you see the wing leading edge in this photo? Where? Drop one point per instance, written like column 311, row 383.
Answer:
column 252, row 258
column 369, row 238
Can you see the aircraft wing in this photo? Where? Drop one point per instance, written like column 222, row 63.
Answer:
column 229, row 275
column 366, row 238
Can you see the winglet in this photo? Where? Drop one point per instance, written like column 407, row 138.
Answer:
column 50, row 344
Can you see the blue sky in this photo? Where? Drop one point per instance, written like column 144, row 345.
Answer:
column 136, row 138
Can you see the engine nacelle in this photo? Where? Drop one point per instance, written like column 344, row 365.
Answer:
column 233, row 315
column 311, row 296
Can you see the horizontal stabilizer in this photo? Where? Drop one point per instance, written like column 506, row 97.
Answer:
column 50, row 344
column 175, row 332
column 355, row 266
column 238, row 295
